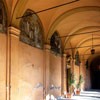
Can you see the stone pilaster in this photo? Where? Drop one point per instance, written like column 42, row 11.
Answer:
column 72, row 65
column 64, row 73
column 46, row 68
column 15, row 32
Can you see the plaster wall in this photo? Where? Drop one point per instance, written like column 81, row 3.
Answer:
column 55, row 73
column 26, row 71
column 2, row 66
column 76, row 73
column 85, row 75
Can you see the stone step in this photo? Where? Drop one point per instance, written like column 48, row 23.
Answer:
column 85, row 95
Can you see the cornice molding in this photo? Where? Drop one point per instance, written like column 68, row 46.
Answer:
column 14, row 31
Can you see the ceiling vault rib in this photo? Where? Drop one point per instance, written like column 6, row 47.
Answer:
column 90, row 54
column 49, row 8
column 90, row 32
column 82, row 47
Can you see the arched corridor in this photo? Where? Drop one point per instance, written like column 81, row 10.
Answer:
column 45, row 48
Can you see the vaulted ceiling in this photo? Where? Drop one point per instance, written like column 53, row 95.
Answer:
column 81, row 18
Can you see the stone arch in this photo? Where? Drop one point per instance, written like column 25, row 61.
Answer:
column 95, row 72
column 79, row 31
column 31, row 29
column 55, row 43
column 3, row 17
column 68, row 13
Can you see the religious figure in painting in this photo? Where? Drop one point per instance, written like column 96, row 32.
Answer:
column 55, row 43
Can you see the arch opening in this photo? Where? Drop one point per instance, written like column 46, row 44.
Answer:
column 95, row 73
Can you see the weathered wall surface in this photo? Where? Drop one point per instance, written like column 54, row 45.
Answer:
column 55, row 73
column 26, row 71
column 30, row 66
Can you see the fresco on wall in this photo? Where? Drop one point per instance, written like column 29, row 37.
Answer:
column 55, row 43
column 3, row 20
column 77, row 58
column 31, row 30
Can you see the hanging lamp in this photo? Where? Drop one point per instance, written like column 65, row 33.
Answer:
column 92, row 50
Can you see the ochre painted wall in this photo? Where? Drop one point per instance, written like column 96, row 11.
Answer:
column 26, row 71
column 2, row 66
column 76, row 73
column 28, row 67
column 55, row 73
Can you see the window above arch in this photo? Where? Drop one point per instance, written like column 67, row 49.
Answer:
column 31, row 30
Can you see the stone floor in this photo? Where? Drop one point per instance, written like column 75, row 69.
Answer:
column 85, row 95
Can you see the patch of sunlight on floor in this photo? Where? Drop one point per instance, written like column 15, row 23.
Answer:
column 85, row 95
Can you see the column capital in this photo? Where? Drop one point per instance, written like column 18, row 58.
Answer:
column 74, row 59
column 81, row 63
column 64, row 55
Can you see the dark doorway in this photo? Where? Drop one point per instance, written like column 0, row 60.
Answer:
column 68, row 78
column 95, row 73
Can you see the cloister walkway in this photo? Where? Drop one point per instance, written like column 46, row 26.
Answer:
column 86, row 95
